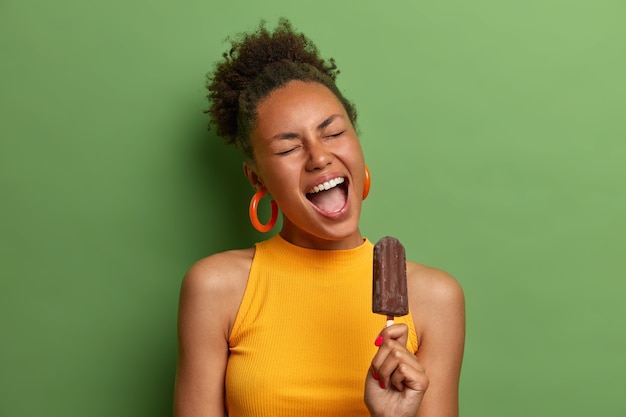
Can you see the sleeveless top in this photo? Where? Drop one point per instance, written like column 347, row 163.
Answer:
column 303, row 338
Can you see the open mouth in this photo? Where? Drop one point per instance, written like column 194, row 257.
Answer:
column 329, row 197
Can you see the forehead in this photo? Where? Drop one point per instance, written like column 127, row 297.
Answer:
column 297, row 104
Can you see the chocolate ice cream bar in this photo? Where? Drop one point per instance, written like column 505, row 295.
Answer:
column 389, row 292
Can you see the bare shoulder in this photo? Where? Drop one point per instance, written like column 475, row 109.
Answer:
column 216, row 284
column 219, row 270
column 436, row 298
column 432, row 286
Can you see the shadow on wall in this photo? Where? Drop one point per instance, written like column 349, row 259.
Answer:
column 215, row 219
column 225, row 194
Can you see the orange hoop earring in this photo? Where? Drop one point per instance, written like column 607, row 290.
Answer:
column 254, row 218
column 366, row 183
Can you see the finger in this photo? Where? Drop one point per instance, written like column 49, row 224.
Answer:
column 409, row 375
column 399, row 332
column 394, row 356
column 393, row 337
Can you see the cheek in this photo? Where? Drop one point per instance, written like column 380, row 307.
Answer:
column 353, row 153
column 281, row 178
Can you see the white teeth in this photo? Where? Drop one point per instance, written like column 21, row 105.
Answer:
column 327, row 185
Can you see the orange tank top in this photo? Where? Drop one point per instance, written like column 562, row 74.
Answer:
column 303, row 338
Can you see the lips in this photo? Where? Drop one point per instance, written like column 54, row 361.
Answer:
column 329, row 196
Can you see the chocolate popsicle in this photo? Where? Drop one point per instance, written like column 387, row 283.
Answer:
column 389, row 290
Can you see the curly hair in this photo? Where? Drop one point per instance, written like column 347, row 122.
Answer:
column 257, row 64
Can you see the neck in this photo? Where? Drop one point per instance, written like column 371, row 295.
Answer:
column 310, row 241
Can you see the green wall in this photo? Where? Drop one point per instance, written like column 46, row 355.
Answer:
column 494, row 131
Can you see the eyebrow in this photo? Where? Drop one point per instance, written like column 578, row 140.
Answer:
column 321, row 126
column 327, row 122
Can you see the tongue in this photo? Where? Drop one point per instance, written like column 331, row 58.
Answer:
column 329, row 201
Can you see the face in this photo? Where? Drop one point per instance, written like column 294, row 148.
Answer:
column 308, row 157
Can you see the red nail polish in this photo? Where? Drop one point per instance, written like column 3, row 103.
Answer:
column 378, row 341
column 375, row 375
column 382, row 384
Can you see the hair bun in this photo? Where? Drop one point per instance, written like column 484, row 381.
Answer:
column 257, row 63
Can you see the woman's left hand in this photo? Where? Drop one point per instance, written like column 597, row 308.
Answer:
column 396, row 381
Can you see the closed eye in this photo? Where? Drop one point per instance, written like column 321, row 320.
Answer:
column 335, row 135
column 288, row 151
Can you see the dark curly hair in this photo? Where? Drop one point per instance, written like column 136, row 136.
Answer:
column 257, row 64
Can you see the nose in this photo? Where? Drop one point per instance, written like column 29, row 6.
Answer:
column 319, row 155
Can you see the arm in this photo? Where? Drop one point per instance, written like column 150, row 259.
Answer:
column 210, row 296
column 438, row 308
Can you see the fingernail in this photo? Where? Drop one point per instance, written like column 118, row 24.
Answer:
column 375, row 375
column 382, row 384
column 378, row 341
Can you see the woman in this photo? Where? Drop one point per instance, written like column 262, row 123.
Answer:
column 286, row 328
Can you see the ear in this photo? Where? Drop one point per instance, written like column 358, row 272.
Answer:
column 254, row 179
